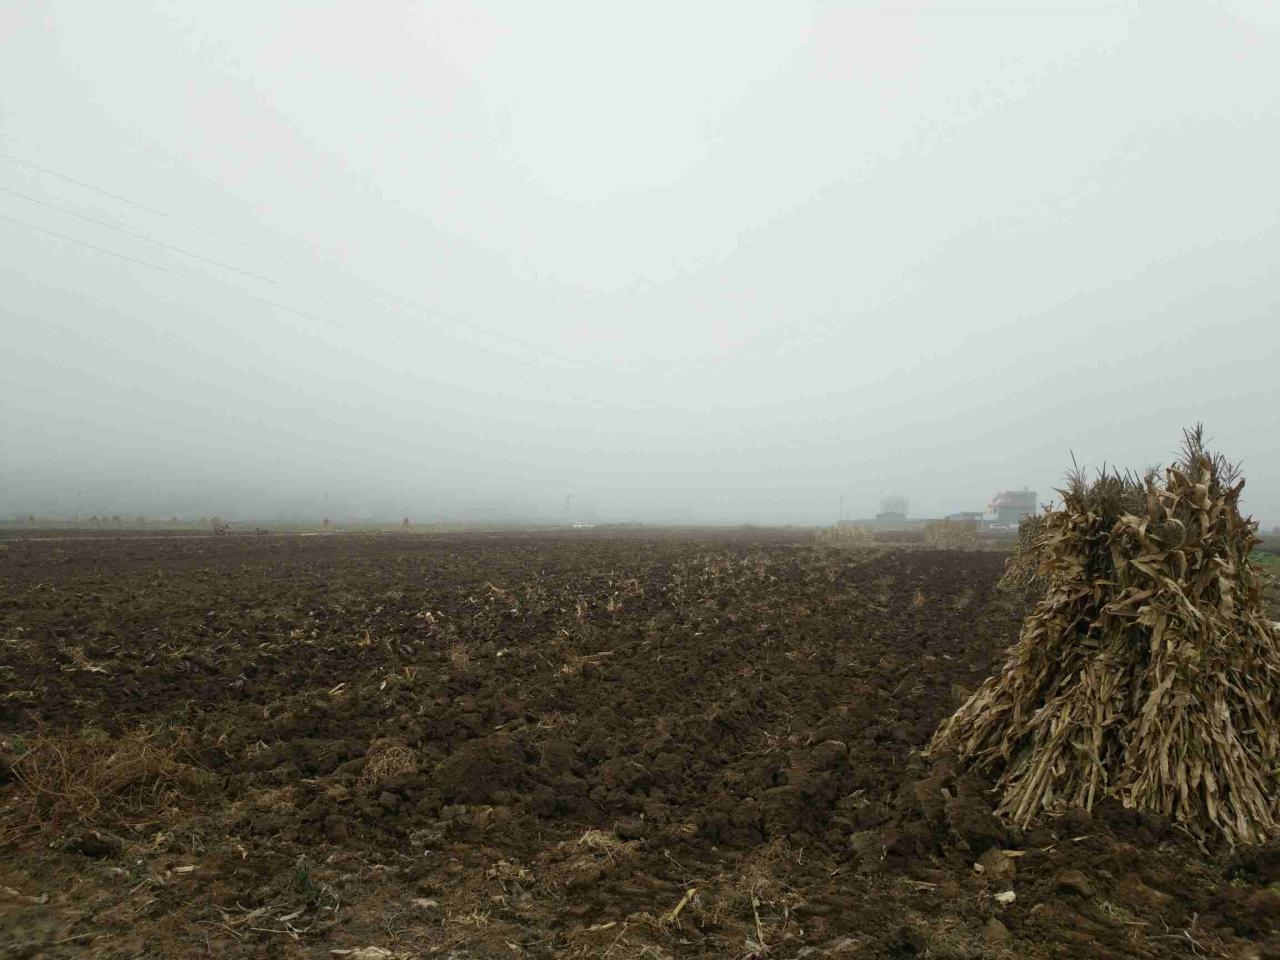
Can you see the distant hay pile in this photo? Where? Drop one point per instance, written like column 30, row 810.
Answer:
column 846, row 536
column 951, row 535
column 1022, row 569
column 1147, row 672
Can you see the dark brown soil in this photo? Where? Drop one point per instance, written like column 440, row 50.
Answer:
column 536, row 746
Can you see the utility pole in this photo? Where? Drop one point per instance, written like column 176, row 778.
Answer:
column 842, row 508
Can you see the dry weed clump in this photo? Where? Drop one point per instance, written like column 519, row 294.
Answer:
column 580, row 862
column 606, row 844
column 1147, row 672
column 69, row 778
column 951, row 535
column 756, row 896
column 846, row 536
column 387, row 757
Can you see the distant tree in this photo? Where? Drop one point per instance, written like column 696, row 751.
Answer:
column 325, row 523
column 404, row 524
column 173, row 521
column 31, row 519
column 894, row 504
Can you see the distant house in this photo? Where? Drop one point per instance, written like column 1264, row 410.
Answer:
column 974, row 517
column 891, row 516
column 1008, row 507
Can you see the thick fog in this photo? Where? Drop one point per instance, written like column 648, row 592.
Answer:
column 713, row 263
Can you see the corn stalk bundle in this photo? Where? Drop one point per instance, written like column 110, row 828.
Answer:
column 1147, row 672
column 951, row 535
column 1020, row 570
column 847, row 536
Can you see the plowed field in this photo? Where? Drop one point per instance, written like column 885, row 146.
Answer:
column 543, row 746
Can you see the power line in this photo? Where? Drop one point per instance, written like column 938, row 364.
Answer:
column 215, row 284
column 116, row 196
column 534, row 349
column 516, row 341
column 205, row 281
column 309, row 261
column 248, row 273
column 177, row 249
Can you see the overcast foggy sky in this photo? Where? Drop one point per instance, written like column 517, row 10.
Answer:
column 712, row 262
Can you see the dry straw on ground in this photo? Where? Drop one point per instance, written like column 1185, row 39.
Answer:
column 387, row 757
column 70, row 778
column 951, row 535
column 1147, row 671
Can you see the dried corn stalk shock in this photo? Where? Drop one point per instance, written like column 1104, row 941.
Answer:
column 951, row 535
column 1147, row 671
column 1021, row 569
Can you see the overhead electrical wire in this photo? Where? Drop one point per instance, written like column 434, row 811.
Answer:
column 176, row 249
column 205, row 281
column 222, row 263
column 216, row 284
column 222, row 285
column 514, row 341
column 116, row 196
